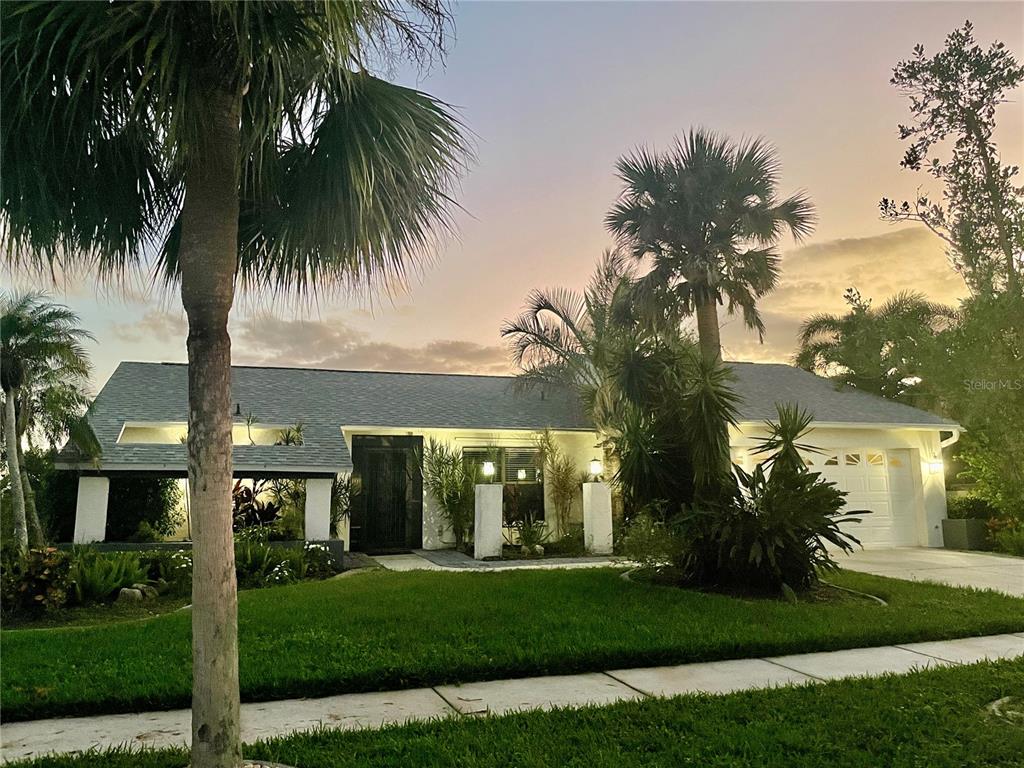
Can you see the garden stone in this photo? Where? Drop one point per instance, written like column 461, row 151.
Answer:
column 148, row 592
column 129, row 595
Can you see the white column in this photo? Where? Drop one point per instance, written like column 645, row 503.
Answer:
column 318, row 509
column 597, row 518
column 487, row 537
column 91, row 512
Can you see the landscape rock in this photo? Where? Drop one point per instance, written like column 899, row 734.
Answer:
column 148, row 591
column 129, row 595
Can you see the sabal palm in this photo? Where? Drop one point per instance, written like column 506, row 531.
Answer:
column 878, row 350
column 248, row 144
column 40, row 341
column 707, row 216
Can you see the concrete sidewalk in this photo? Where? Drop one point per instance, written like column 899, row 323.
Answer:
column 266, row 720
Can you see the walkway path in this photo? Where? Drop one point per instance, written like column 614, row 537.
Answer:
column 451, row 560
column 372, row 710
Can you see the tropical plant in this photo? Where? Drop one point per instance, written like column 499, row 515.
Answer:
column 34, row 581
column 662, row 410
column 450, row 480
column 969, row 508
column 341, row 501
column 707, row 216
column 880, row 350
column 561, row 478
column 954, row 96
column 249, row 145
column 96, row 576
column 248, row 510
column 570, row 340
column 44, row 368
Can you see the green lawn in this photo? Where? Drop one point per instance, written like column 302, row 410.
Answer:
column 932, row 719
column 380, row 630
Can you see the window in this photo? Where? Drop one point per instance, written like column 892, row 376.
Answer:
column 876, row 459
column 520, row 471
column 832, row 461
column 853, row 459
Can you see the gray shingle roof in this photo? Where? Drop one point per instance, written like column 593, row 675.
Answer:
column 326, row 400
column 761, row 385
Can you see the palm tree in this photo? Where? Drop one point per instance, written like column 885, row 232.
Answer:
column 570, row 339
column 876, row 349
column 663, row 410
column 42, row 359
column 250, row 146
column 707, row 216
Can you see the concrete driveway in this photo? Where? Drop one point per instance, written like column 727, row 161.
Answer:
column 959, row 569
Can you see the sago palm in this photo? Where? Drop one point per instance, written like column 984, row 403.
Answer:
column 876, row 349
column 249, row 145
column 40, row 342
column 707, row 216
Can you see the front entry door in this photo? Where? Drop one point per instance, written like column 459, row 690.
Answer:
column 388, row 505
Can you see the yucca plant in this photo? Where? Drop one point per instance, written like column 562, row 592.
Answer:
column 450, row 480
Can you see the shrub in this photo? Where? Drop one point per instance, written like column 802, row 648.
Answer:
column 97, row 576
column 450, row 481
column 648, row 541
column 35, row 582
column 1008, row 535
column 569, row 545
column 171, row 572
column 969, row 508
column 320, row 563
column 770, row 537
column 253, row 563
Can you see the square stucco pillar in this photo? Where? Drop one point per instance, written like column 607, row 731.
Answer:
column 487, row 521
column 597, row 518
column 91, row 512
column 318, row 509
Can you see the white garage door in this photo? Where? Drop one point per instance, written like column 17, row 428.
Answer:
column 876, row 480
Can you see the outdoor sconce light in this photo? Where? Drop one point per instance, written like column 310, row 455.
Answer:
column 521, row 474
column 935, row 467
column 488, row 469
column 596, row 468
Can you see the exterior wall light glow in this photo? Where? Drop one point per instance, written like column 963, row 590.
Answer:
column 488, row 469
column 521, row 474
column 935, row 467
column 596, row 467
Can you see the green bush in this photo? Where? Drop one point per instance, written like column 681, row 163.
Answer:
column 969, row 508
column 1008, row 535
column 97, row 576
column 136, row 500
column 320, row 563
column 35, row 582
column 648, row 541
column 170, row 571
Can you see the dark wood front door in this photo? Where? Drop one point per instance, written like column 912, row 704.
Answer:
column 388, row 503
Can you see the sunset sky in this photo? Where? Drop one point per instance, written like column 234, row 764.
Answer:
column 554, row 93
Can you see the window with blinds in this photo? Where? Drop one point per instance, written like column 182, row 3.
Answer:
column 519, row 466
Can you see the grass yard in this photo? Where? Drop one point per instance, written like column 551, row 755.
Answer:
column 937, row 719
column 382, row 630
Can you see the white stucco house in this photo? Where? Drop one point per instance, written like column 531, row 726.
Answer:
column 886, row 455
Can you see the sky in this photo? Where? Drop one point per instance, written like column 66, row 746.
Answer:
column 554, row 93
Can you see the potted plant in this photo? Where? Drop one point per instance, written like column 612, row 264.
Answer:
column 966, row 523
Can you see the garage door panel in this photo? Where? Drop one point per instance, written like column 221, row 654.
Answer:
column 876, row 480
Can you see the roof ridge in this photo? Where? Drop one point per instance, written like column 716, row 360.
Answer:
column 332, row 370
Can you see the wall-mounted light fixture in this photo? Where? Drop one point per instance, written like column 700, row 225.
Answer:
column 596, row 468
column 520, row 474
column 488, row 469
column 935, row 467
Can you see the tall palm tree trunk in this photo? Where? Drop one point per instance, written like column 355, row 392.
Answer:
column 209, row 253
column 708, row 332
column 17, row 494
column 35, row 530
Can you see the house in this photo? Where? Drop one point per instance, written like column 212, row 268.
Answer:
column 886, row 455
